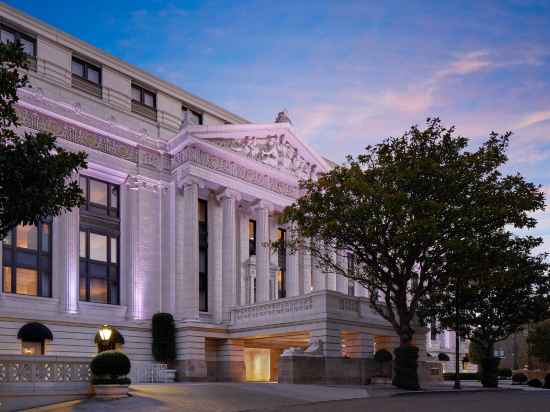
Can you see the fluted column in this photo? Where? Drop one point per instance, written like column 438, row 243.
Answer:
column 306, row 267
column 318, row 275
column 132, row 247
column 341, row 281
column 262, row 252
column 244, row 255
column 215, row 286
column 69, row 240
column 292, row 267
column 229, row 200
column 188, row 274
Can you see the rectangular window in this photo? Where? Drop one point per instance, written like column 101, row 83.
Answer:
column 281, row 274
column 9, row 35
column 252, row 237
column 86, row 77
column 144, row 102
column 26, row 259
column 99, row 242
column 203, row 255
column 193, row 117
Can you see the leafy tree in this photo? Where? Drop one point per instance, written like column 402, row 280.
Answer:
column 502, row 288
column 539, row 342
column 403, row 208
column 35, row 173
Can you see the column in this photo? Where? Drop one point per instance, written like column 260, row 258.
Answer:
column 318, row 275
column 244, row 255
column 341, row 281
column 306, row 267
column 331, row 275
column 292, row 267
column 215, row 287
column 132, row 248
column 191, row 355
column 230, row 360
column 360, row 290
column 187, row 276
column 262, row 252
column 331, row 340
column 69, row 232
column 169, row 249
column 229, row 200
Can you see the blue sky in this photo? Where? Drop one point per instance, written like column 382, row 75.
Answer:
column 349, row 72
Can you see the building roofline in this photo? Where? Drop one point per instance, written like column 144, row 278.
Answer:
column 53, row 34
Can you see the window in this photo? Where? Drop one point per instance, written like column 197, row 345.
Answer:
column 281, row 273
column 86, row 77
column 144, row 102
column 8, row 35
column 99, row 242
column 203, row 255
column 191, row 116
column 33, row 338
column 252, row 237
column 27, row 260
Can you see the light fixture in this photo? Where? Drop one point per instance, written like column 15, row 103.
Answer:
column 105, row 333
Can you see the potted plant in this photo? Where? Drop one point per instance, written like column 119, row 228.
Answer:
column 383, row 358
column 109, row 371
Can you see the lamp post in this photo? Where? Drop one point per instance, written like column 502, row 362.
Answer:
column 457, row 338
column 105, row 333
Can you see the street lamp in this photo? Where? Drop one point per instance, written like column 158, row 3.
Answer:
column 105, row 333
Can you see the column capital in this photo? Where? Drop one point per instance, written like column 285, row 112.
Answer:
column 188, row 180
column 228, row 193
column 262, row 204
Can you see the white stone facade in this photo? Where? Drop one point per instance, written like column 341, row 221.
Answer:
column 163, row 168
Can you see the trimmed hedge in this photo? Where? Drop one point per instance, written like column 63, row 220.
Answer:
column 504, row 373
column 519, row 378
column 547, row 381
column 406, row 368
column 464, row 376
column 164, row 337
column 110, row 367
column 383, row 356
column 443, row 357
column 535, row 383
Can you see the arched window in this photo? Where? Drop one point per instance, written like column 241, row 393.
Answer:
column 115, row 341
column 33, row 338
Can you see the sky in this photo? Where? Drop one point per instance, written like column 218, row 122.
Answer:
column 349, row 73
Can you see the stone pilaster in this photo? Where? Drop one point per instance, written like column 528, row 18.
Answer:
column 215, row 288
column 229, row 200
column 69, row 233
column 319, row 277
column 188, row 301
column 331, row 340
column 262, row 252
column 169, row 250
column 341, row 281
column 244, row 255
column 292, row 268
column 306, row 268
column 132, row 247
column 191, row 355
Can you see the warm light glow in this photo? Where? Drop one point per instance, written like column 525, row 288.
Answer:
column 105, row 333
column 257, row 364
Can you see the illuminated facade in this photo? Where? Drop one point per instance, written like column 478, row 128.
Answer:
column 181, row 197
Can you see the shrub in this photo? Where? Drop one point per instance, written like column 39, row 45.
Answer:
column 505, row 373
column 164, row 337
column 519, row 378
column 547, row 381
column 535, row 383
column 108, row 381
column 383, row 356
column 406, row 373
column 464, row 376
column 489, row 372
column 110, row 366
column 443, row 357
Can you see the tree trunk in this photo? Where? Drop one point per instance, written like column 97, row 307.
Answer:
column 489, row 367
column 405, row 374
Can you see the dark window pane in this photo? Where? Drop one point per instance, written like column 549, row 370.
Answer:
column 202, row 260
column 45, row 263
column 98, row 247
column 82, row 244
column 45, row 284
column 98, row 290
column 7, row 279
column 7, row 36
column 93, row 75
column 82, row 267
column 77, row 68
column 27, row 237
column 28, row 46
column 45, row 237
column 98, row 192
column 136, row 93
column 114, row 197
column 148, row 99
column 97, row 269
column 114, row 293
column 82, row 288
column 202, row 211
column 7, row 239
column 195, row 118
column 82, row 183
column 26, row 258
column 26, row 282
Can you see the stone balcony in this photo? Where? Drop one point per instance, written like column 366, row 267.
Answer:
column 315, row 306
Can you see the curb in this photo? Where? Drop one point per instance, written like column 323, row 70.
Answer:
column 454, row 391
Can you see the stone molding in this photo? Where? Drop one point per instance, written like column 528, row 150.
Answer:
column 228, row 193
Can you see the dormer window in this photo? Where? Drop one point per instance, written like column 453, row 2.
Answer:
column 192, row 116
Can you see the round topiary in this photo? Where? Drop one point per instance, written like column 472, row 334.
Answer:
column 535, row 383
column 110, row 364
column 383, row 356
column 443, row 357
column 406, row 368
column 519, row 378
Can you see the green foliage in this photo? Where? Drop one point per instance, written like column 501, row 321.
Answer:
column 406, row 373
column 519, row 378
column 535, row 383
column 110, row 365
column 109, row 381
column 504, row 373
column 383, row 356
column 539, row 341
column 464, row 376
column 35, row 174
column 164, row 337
column 475, row 352
column 411, row 210
column 489, row 372
column 443, row 357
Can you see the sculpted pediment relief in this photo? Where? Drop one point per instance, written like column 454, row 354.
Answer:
column 273, row 150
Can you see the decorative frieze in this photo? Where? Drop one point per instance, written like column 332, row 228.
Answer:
column 204, row 159
column 274, row 309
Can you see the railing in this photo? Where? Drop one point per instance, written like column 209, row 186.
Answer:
column 45, row 369
column 144, row 110
column 86, row 86
column 152, row 373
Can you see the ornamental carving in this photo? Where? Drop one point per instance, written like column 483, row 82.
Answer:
column 44, row 123
column 201, row 158
column 274, row 150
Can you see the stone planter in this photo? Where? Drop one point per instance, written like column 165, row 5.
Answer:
column 110, row 391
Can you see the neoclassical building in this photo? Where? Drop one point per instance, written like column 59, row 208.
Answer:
column 181, row 198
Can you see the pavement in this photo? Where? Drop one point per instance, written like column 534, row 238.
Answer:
column 256, row 397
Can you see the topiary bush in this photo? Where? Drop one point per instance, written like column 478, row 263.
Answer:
column 535, row 383
column 110, row 367
column 406, row 368
column 519, row 378
column 489, row 372
column 443, row 357
column 547, row 381
column 383, row 356
column 164, row 337
column 504, row 373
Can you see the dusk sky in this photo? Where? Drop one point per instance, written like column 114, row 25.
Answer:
column 349, row 72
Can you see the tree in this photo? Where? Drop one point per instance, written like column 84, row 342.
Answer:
column 35, row 173
column 503, row 287
column 401, row 209
column 539, row 342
